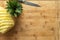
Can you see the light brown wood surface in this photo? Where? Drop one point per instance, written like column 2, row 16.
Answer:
column 36, row 23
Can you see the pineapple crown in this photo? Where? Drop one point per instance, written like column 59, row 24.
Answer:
column 14, row 7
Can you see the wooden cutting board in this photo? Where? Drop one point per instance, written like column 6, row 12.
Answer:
column 35, row 23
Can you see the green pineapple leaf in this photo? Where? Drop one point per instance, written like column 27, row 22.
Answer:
column 14, row 8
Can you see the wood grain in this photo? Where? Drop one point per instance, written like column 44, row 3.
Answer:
column 35, row 23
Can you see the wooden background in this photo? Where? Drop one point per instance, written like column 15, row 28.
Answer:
column 36, row 23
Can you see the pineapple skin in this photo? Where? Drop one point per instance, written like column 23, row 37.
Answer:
column 6, row 21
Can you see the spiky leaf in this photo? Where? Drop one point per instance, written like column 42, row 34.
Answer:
column 14, row 7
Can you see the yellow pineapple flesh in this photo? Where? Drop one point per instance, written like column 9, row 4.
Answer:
column 6, row 20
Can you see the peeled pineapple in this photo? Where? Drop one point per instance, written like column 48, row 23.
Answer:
column 6, row 20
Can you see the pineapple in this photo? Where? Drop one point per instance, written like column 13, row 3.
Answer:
column 6, row 21
column 13, row 9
